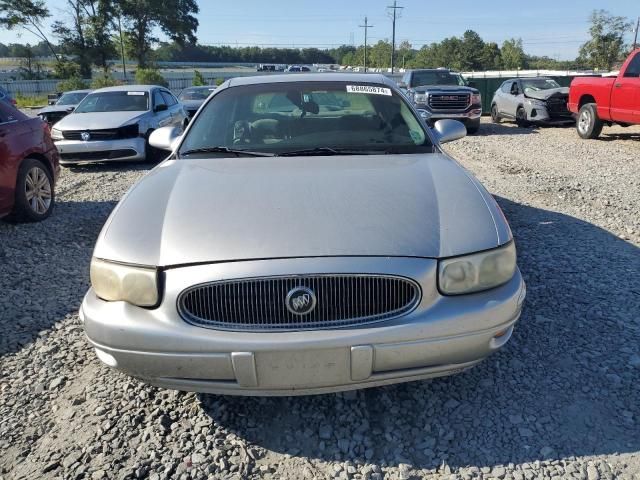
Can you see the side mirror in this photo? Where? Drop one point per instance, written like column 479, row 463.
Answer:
column 160, row 108
column 449, row 130
column 165, row 138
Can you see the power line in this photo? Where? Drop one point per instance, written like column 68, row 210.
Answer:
column 394, row 9
column 366, row 27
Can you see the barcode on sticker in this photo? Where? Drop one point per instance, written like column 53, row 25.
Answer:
column 369, row 89
column 135, row 93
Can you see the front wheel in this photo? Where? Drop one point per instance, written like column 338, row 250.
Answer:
column 495, row 116
column 589, row 126
column 521, row 118
column 34, row 196
column 473, row 126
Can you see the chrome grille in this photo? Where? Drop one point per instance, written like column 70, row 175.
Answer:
column 445, row 101
column 259, row 303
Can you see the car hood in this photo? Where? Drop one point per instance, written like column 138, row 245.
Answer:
column 192, row 104
column 546, row 94
column 225, row 209
column 56, row 108
column 447, row 89
column 98, row 120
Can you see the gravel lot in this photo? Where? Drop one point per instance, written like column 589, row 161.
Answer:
column 561, row 401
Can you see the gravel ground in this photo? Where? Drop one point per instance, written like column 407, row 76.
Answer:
column 560, row 401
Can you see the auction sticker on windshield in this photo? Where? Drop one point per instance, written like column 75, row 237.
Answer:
column 369, row 89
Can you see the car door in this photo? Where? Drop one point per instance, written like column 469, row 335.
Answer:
column 12, row 143
column 175, row 108
column 499, row 97
column 513, row 99
column 625, row 94
column 161, row 113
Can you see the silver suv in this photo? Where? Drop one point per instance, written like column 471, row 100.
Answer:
column 531, row 100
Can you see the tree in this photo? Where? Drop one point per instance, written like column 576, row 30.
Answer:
column 26, row 14
column 471, row 50
column 176, row 18
column 606, row 46
column 150, row 76
column 512, row 55
column 198, row 79
column 490, row 57
column 72, row 36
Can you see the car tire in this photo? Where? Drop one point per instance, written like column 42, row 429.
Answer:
column 588, row 124
column 495, row 116
column 151, row 154
column 34, row 195
column 521, row 118
column 473, row 126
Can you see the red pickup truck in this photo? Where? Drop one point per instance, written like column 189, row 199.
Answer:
column 607, row 100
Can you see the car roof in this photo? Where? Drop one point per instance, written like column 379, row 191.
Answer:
column 86, row 90
column 127, row 88
column 201, row 87
column 313, row 77
column 527, row 78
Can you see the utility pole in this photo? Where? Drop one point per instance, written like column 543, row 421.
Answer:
column 366, row 27
column 124, row 65
column 635, row 38
column 394, row 16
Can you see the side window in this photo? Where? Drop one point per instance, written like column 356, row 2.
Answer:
column 515, row 89
column 168, row 98
column 506, row 87
column 157, row 98
column 633, row 69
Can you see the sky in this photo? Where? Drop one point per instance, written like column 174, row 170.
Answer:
column 555, row 28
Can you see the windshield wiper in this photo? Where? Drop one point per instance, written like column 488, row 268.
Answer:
column 236, row 151
column 325, row 151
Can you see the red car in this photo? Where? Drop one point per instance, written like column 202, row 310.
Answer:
column 28, row 166
column 609, row 100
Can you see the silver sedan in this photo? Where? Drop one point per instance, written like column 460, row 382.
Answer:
column 307, row 234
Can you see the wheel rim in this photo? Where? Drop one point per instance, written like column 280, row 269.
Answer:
column 584, row 121
column 38, row 190
column 520, row 115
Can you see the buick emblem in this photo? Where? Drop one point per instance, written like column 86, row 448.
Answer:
column 85, row 136
column 300, row 300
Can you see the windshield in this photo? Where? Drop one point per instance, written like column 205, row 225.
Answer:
column 195, row 94
column 536, row 84
column 71, row 98
column 284, row 117
column 120, row 101
column 437, row 78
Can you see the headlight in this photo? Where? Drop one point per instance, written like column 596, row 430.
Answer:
column 476, row 98
column 479, row 271
column 56, row 134
column 535, row 103
column 420, row 97
column 114, row 282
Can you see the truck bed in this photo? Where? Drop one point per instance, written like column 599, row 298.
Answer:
column 597, row 88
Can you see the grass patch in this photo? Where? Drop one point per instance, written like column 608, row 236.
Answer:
column 31, row 101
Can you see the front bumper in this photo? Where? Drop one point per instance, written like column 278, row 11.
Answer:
column 540, row 114
column 74, row 151
column 472, row 113
column 442, row 336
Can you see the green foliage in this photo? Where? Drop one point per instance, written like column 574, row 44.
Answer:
column 66, row 69
column 73, row 83
column 104, row 81
column 512, row 55
column 23, row 101
column 198, row 79
column 150, row 76
column 26, row 14
column 606, row 46
column 218, row 81
column 175, row 18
